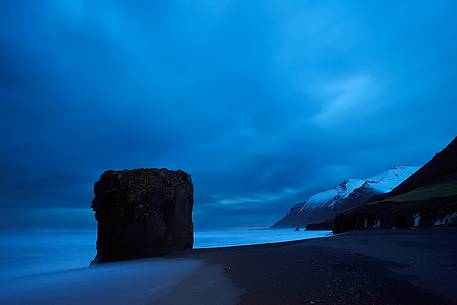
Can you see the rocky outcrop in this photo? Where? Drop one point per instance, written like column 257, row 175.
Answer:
column 142, row 213
column 399, row 215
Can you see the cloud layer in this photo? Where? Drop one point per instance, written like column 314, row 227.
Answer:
column 262, row 101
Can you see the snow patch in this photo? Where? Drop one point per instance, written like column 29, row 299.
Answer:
column 417, row 219
column 382, row 183
column 447, row 220
column 330, row 197
column 377, row 224
column 390, row 179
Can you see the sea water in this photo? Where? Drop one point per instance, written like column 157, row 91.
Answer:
column 31, row 253
column 243, row 237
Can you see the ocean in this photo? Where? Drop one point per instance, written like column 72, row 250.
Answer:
column 33, row 253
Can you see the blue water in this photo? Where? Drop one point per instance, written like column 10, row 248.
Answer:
column 241, row 237
column 27, row 253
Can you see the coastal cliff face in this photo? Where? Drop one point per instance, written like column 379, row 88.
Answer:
column 142, row 213
column 427, row 212
column 426, row 198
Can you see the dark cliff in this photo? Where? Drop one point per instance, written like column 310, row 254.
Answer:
column 142, row 213
column 442, row 167
column 426, row 198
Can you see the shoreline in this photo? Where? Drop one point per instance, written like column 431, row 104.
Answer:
column 358, row 267
column 397, row 267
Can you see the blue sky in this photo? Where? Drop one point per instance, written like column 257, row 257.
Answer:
column 263, row 102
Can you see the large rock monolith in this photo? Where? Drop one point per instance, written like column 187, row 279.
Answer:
column 142, row 213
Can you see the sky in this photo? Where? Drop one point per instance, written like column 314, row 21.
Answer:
column 263, row 102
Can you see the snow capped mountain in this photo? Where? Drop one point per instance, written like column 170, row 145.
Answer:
column 388, row 180
column 382, row 183
column 348, row 194
column 426, row 198
column 331, row 197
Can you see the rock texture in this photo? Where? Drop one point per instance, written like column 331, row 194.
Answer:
column 142, row 213
column 399, row 215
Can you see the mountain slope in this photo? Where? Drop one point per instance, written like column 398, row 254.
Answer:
column 442, row 167
column 348, row 194
column 428, row 197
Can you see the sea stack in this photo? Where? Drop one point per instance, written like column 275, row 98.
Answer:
column 142, row 213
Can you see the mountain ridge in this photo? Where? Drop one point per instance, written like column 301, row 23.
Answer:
column 427, row 198
column 350, row 193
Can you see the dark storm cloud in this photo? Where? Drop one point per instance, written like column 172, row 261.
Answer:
column 262, row 101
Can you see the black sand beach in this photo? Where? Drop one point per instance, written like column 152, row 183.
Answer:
column 363, row 267
column 396, row 267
